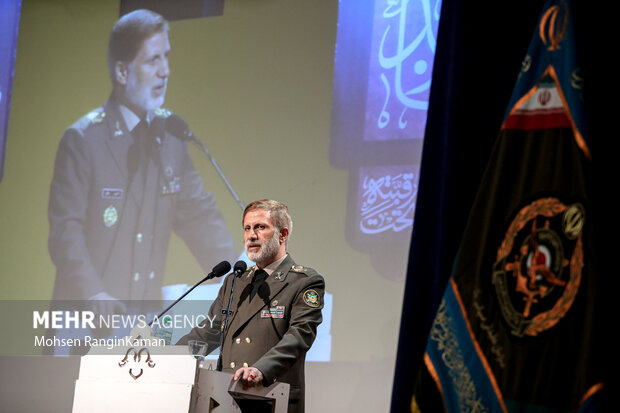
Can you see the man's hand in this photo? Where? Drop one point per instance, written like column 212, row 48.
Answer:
column 250, row 376
column 104, row 305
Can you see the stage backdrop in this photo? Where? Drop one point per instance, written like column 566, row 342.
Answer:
column 321, row 105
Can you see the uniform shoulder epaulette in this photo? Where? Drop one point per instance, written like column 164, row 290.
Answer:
column 303, row 270
column 95, row 116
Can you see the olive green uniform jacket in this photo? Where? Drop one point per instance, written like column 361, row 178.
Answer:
column 274, row 330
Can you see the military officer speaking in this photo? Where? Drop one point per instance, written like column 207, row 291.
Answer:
column 276, row 308
column 122, row 183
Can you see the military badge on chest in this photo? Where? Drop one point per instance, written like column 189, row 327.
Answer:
column 273, row 312
column 110, row 214
column 173, row 183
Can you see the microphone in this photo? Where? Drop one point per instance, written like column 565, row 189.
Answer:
column 176, row 126
column 217, row 271
column 240, row 267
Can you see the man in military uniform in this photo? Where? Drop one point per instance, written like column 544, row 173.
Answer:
column 122, row 183
column 275, row 311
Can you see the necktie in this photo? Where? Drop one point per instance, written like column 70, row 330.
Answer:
column 259, row 278
column 140, row 136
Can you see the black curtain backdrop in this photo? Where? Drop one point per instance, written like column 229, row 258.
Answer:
column 480, row 48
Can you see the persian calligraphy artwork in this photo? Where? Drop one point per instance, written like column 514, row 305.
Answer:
column 388, row 197
column 382, row 79
column 403, row 48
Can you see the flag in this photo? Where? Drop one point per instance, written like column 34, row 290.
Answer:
column 518, row 327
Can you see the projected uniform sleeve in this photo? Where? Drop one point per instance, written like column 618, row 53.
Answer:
column 67, row 214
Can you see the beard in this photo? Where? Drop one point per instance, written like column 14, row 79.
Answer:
column 140, row 96
column 268, row 249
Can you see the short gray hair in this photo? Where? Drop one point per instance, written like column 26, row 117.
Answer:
column 279, row 213
column 129, row 33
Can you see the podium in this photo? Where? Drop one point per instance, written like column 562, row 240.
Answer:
column 137, row 377
column 216, row 392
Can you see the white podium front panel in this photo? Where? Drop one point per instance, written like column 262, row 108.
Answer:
column 138, row 367
column 104, row 396
column 136, row 378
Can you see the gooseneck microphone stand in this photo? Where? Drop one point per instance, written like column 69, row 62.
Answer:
column 240, row 267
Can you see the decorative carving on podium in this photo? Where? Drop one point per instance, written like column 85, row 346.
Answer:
column 137, row 357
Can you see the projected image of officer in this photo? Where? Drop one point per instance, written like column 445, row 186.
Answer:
column 123, row 182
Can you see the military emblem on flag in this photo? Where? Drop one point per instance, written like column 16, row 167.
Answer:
column 509, row 334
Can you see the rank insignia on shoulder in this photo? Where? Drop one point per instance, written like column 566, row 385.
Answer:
column 298, row 268
column 96, row 116
column 312, row 298
column 172, row 187
column 162, row 112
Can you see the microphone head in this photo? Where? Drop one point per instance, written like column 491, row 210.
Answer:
column 240, row 267
column 178, row 127
column 221, row 269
